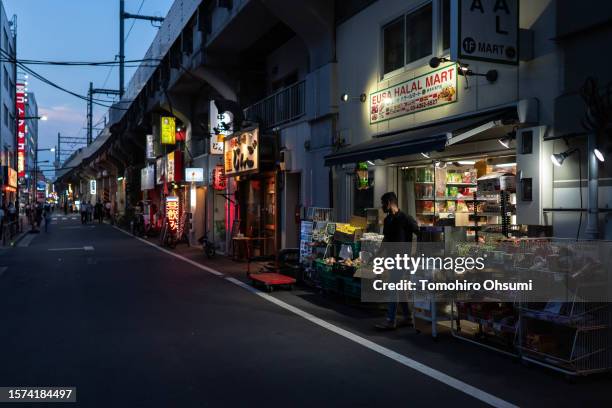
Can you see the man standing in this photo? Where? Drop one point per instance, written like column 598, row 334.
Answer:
column 398, row 227
column 47, row 216
column 83, row 212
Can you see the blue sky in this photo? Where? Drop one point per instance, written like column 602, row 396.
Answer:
column 82, row 30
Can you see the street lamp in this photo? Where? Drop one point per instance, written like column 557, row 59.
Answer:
column 43, row 117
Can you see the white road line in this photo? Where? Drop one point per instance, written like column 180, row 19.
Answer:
column 85, row 248
column 64, row 218
column 400, row 358
column 27, row 240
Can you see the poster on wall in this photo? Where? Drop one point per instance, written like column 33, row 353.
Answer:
column 242, row 152
column 431, row 90
column 174, row 166
column 168, row 130
column 488, row 31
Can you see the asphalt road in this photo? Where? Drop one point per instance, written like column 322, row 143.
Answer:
column 132, row 326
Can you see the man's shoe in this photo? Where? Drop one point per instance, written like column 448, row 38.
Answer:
column 386, row 325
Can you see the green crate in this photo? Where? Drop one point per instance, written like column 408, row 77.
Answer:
column 351, row 287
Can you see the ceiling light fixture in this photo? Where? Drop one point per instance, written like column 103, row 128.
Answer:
column 559, row 158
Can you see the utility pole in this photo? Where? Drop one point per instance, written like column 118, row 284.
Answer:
column 122, row 17
column 58, row 150
column 94, row 91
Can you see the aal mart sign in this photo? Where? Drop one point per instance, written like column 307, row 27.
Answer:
column 431, row 90
column 21, row 130
column 488, row 31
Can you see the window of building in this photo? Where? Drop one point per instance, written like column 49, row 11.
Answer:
column 417, row 35
column 393, row 40
column 6, row 79
column 6, row 42
column 6, row 116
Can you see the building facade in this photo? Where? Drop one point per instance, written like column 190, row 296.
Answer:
column 7, row 107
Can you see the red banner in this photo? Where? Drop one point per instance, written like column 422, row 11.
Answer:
column 21, row 130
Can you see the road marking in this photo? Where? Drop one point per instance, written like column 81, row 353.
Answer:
column 27, row 240
column 400, row 358
column 64, row 218
column 85, row 248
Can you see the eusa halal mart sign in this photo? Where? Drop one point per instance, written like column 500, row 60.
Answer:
column 431, row 90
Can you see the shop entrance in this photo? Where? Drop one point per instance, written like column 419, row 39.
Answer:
column 258, row 212
column 291, row 210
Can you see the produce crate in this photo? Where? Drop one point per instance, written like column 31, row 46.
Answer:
column 350, row 287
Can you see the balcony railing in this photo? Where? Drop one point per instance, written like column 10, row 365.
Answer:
column 281, row 107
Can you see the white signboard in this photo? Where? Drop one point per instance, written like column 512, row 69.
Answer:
column 147, row 178
column 92, row 187
column 195, row 174
column 150, row 147
column 488, row 30
column 431, row 90
column 221, row 126
column 160, row 167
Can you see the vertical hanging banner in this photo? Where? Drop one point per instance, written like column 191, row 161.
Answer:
column 221, row 126
column 168, row 130
column 172, row 213
column 150, row 147
column 21, row 130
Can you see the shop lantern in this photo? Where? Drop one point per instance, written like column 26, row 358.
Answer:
column 219, row 181
column 172, row 213
column 363, row 182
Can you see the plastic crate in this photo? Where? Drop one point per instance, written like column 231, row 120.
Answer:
column 351, row 287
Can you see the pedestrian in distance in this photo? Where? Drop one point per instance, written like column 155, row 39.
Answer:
column 39, row 214
column 99, row 212
column 12, row 212
column 47, row 215
column 83, row 212
column 398, row 227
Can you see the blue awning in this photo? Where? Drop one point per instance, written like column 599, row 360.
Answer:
column 421, row 139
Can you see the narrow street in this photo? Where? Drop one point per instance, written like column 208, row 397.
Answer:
column 129, row 325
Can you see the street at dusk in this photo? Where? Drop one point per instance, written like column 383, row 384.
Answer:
column 360, row 203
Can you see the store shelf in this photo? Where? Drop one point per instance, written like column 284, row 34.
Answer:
column 458, row 184
column 423, row 182
column 455, row 199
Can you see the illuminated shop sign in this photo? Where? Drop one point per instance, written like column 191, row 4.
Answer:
column 431, row 90
column 174, row 166
column 147, row 178
column 219, row 182
column 92, row 187
column 194, row 174
column 221, row 126
column 242, row 152
column 21, row 130
column 150, row 147
column 172, row 213
column 168, row 130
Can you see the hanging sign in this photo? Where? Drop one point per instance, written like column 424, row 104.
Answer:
column 181, row 134
column 242, row 152
column 174, row 166
column 21, row 130
column 221, row 126
column 488, row 31
column 194, row 174
column 172, row 213
column 219, row 181
column 431, row 90
column 160, row 170
column 92, row 187
column 168, row 130
column 150, row 147
column 147, row 178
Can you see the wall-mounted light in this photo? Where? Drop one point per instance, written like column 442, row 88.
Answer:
column 599, row 155
column 463, row 69
column 466, row 162
column 370, row 162
column 505, row 141
column 559, row 158
column 441, row 164
column 346, row 97
column 425, row 155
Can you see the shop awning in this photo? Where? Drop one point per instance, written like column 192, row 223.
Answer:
column 434, row 137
